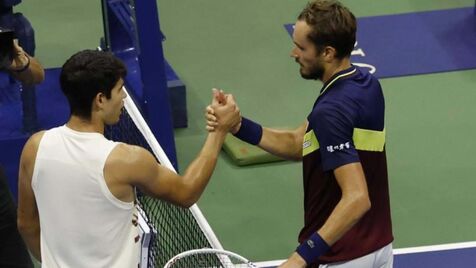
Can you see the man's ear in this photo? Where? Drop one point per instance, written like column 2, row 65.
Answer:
column 99, row 100
column 329, row 53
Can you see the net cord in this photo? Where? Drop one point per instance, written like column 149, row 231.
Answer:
column 143, row 127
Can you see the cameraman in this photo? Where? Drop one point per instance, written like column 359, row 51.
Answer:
column 13, row 253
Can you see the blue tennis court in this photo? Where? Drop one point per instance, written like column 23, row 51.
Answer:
column 424, row 42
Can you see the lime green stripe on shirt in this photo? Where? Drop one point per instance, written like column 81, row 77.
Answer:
column 363, row 139
column 369, row 140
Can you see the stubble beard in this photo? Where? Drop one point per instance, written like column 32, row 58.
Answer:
column 316, row 72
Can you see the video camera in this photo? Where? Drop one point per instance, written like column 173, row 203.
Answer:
column 6, row 47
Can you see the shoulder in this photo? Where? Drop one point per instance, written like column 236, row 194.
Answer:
column 362, row 92
column 130, row 163
column 332, row 110
column 31, row 147
column 129, row 156
column 332, row 119
column 361, row 83
column 36, row 138
column 34, row 141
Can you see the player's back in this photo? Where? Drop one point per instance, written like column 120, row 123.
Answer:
column 82, row 223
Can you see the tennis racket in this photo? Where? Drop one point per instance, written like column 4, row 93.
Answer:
column 148, row 236
column 208, row 258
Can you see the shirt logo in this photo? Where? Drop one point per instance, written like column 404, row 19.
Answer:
column 340, row 147
column 306, row 144
column 310, row 143
column 310, row 243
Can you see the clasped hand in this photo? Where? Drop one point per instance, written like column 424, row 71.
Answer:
column 223, row 113
column 19, row 59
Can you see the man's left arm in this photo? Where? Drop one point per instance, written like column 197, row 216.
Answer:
column 333, row 125
column 28, row 220
column 354, row 203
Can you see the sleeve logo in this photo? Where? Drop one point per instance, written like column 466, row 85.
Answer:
column 310, row 243
column 306, row 144
column 340, row 147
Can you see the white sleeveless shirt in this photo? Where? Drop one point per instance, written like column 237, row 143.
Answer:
column 82, row 223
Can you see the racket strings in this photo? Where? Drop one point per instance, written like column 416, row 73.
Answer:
column 209, row 260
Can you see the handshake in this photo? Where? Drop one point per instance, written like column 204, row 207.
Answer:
column 223, row 114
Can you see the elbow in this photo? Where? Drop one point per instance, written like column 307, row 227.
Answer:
column 187, row 202
column 358, row 205
column 188, row 198
column 24, row 227
column 189, row 192
column 363, row 204
column 296, row 157
column 37, row 71
column 187, row 205
column 37, row 76
column 40, row 76
column 27, row 225
column 21, row 226
column 367, row 205
column 191, row 199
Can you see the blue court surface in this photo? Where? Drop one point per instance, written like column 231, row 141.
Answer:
column 457, row 255
column 416, row 43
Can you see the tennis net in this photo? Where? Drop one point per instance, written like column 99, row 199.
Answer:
column 178, row 229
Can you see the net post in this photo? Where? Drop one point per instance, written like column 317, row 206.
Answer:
column 151, row 62
column 132, row 32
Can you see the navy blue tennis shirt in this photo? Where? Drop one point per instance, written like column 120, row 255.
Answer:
column 346, row 125
column 350, row 99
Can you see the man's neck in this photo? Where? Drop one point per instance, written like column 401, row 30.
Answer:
column 335, row 67
column 84, row 125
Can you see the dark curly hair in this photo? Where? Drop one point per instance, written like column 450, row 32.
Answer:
column 87, row 73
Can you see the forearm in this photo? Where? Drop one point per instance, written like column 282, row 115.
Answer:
column 353, row 204
column 34, row 74
column 283, row 143
column 345, row 215
column 199, row 172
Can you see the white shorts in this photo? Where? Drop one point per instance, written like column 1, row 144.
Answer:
column 381, row 258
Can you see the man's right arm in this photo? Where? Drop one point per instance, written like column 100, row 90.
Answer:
column 140, row 169
column 284, row 143
column 25, row 68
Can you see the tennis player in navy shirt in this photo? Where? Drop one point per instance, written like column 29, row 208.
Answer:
column 347, row 221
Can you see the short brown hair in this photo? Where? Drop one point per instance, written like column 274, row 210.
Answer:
column 332, row 24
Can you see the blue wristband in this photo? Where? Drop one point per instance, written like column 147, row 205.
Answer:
column 311, row 249
column 250, row 131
